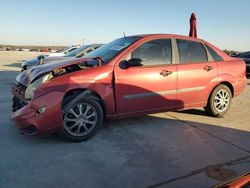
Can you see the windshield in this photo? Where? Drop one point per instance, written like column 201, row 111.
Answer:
column 110, row 50
column 77, row 51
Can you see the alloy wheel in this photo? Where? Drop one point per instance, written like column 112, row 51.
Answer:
column 221, row 100
column 80, row 120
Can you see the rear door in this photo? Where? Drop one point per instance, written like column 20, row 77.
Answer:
column 197, row 72
column 151, row 87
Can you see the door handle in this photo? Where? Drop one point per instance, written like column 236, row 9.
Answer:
column 165, row 73
column 208, row 68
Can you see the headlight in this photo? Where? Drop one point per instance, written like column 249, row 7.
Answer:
column 29, row 92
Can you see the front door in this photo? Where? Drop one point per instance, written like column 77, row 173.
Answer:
column 151, row 87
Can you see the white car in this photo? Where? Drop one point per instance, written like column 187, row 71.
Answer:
column 77, row 53
column 64, row 51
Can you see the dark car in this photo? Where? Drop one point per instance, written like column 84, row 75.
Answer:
column 77, row 53
column 246, row 57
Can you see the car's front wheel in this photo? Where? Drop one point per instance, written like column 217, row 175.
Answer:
column 219, row 101
column 81, row 118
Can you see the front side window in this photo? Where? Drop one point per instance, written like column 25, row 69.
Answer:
column 77, row 51
column 191, row 52
column 155, row 52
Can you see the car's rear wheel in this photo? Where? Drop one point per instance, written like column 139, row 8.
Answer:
column 81, row 118
column 219, row 101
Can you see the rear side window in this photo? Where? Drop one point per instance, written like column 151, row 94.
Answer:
column 70, row 50
column 191, row 52
column 214, row 55
column 155, row 52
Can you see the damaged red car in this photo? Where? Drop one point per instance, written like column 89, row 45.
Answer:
column 129, row 76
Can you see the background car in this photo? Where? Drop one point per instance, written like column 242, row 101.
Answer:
column 77, row 53
column 246, row 57
column 63, row 51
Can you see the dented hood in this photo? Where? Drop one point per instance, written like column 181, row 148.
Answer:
column 28, row 76
column 47, row 59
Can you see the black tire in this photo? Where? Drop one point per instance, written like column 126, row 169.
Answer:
column 214, row 102
column 16, row 104
column 73, row 104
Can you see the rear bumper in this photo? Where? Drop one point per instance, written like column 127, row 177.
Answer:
column 239, row 86
column 30, row 120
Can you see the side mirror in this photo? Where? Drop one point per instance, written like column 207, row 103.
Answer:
column 134, row 62
column 124, row 64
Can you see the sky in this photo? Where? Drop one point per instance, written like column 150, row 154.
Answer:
column 224, row 23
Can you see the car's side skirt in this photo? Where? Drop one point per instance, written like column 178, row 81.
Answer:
column 163, row 93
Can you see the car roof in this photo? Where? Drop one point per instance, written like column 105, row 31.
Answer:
column 91, row 45
column 167, row 35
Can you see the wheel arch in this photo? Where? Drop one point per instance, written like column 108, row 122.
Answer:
column 77, row 91
column 210, row 107
column 229, row 85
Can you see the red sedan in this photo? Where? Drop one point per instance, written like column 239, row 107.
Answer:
column 130, row 76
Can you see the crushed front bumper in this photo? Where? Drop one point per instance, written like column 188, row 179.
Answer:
column 30, row 119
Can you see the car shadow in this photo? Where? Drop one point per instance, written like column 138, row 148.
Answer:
column 158, row 135
column 159, row 143
column 6, row 80
column 14, row 65
column 197, row 112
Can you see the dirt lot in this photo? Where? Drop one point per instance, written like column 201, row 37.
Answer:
column 174, row 149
